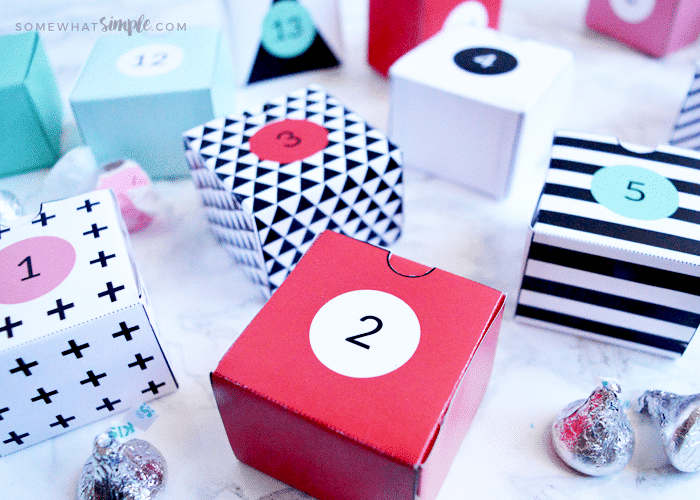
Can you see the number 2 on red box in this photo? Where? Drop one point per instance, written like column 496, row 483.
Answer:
column 364, row 333
column 33, row 267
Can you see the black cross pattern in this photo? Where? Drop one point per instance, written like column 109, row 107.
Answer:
column 43, row 219
column 95, row 379
column 95, row 231
column 140, row 361
column 3, row 410
column 9, row 325
column 111, row 291
column 60, row 309
column 45, row 396
column 102, row 258
column 3, row 231
column 17, row 439
column 153, row 387
column 125, row 331
column 88, row 206
column 75, row 349
column 60, row 420
column 108, row 404
column 23, row 367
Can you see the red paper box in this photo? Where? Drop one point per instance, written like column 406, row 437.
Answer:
column 360, row 376
column 397, row 26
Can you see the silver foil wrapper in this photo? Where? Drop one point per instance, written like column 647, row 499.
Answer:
column 594, row 436
column 134, row 470
column 678, row 419
column 10, row 207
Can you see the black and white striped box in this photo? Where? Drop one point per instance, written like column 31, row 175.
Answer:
column 686, row 131
column 615, row 247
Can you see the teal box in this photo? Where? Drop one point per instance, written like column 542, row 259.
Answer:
column 137, row 94
column 30, row 106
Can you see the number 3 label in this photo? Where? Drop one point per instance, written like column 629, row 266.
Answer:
column 635, row 192
column 150, row 60
column 364, row 333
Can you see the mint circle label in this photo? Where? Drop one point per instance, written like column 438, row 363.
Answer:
column 635, row 192
column 288, row 30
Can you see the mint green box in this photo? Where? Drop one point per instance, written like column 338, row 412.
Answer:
column 137, row 94
column 30, row 106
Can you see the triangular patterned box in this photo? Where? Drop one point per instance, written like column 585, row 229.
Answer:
column 615, row 248
column 271, row 180
column 77, row 337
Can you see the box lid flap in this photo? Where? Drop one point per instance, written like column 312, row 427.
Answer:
column 16, row 52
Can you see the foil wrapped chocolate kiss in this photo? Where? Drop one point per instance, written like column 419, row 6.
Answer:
column 678, row 418
column 134, row 470
column 594, row 436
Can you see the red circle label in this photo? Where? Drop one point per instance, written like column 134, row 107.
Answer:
column 289, row 140
column 33, row 267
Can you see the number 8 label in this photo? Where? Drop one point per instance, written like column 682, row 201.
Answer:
column 635, row 192
column 364, row 333
column 33, row 267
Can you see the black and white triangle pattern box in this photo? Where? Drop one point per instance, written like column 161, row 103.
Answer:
column 686, row 131
column 77, row 337
column 272, row 179
column 615, row 247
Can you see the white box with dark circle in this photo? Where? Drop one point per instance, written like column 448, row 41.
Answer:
column 472, row 104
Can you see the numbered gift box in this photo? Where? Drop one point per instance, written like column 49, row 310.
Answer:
column 77, row 337
column 469, row 104
column 397, row 26
column 31, row 118
column 655, row 27
column 686, row 131
column 360, row 376
column 274, row 178
column 615, row 247
column 273, row 38
column 136, row 94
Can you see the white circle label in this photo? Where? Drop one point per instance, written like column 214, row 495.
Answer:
column 150, row 60
column 364, row 333
column 470, row 13
column 633, row 11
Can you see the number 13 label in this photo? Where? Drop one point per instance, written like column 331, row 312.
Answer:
column 364, row 333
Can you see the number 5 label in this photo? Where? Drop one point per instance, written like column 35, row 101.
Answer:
column 635, row 192
column 364, row 333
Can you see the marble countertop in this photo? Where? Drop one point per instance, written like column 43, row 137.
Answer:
column 202, row 302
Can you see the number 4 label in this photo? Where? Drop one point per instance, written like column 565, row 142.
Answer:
column 486, row 60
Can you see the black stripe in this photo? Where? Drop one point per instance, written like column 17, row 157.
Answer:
column 680, row 126
column 632, row 306
column 692, row 92
column 620, row 232
column 683, row 161
column 691, row 108
column 686, row 187
column 574, row 166
column 686, row 215
column 619, row 269
column 569, row 192
column 684, row 138
column 602, row 328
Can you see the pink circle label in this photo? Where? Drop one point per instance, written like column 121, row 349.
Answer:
column 33, row 267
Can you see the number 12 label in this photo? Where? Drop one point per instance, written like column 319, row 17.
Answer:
column 635, row 192
column 364, row 333
column 150, row 60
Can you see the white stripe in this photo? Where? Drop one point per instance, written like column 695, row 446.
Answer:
column 569, row 178
column 689, row 201
column 597, row 337
column 687, row 117
column 607, row 316
column 613, row 286
column 692, row 100
column 597, row 211
column 603, row 159
column 590, row 238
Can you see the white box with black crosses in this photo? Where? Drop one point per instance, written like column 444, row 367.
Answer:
column 274, row 178
column 77, row 338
